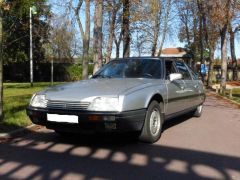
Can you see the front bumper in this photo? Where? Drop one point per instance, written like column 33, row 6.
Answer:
column 90, row 121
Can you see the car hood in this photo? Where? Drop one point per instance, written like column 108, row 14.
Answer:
column 83, row 90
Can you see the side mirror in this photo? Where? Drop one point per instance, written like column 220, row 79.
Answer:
column 175, row 76
column 90, row 76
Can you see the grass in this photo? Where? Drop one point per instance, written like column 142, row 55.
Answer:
column 16, row 97
column 236, row 95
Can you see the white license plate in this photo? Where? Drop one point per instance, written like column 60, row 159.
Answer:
column 62, row 118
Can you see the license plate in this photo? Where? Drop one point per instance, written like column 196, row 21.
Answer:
column 62, row 118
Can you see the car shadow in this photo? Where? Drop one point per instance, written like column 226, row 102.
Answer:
column 47, row 155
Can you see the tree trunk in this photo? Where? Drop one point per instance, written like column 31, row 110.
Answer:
column 117, row 49
column 156, row 29
column 86, row 41
column 117, row 43
column 224, row 58
column 194, row 49
column 112, row 20
column 200, row 9
column 1, row 63
column 165, row 28
column 97, row 35
column 85, row 35
column 125, row 28
column 233, row 54
column 211, row 66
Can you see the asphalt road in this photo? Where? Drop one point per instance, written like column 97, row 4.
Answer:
column 190, row 148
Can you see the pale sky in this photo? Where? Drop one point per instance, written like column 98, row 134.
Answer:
column 170, row 42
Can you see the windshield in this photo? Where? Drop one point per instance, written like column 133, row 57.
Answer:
column 135, row 68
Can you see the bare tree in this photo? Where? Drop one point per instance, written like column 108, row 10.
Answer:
column 222, row 14
column 113, row 8
column 63, row 40
column 232, row 33
column 126, row 28
column 165, row 25
column 97, row 35
column 156, row 12
column 84, row 34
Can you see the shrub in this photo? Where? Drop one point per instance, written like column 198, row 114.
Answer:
column 75, row 72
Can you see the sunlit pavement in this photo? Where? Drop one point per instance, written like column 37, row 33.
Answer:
column 190, row 148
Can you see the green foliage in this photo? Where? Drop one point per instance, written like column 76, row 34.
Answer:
column 16, row 30
column 75, row 72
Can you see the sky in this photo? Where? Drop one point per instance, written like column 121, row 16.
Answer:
column 171, row 41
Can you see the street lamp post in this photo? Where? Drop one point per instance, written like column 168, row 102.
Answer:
column 31, row 53
column 31, row 12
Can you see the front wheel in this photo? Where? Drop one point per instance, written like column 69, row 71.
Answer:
column 152, row 127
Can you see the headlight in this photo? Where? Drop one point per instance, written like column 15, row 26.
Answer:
column 104, row 104
column 38, row 101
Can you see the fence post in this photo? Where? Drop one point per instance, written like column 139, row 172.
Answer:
column 230, row 93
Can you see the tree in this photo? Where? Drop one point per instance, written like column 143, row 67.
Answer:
column 126, row 28
column 165, row 25
column 222, row 14
column 189, row 28
column 232, row 33
column 16, row 31
column 1, row 59
column 84, row 34
column 112, row 8
column 63, row 41
column 97, row 35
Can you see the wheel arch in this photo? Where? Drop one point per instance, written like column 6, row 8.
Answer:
column 157, row 97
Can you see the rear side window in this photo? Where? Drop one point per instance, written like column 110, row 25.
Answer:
column 194, row 75
column 182, row 68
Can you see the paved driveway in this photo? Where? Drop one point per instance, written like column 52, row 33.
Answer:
column 190, row 148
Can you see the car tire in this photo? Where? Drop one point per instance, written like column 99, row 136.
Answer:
column 198, row 111
column 152, row 127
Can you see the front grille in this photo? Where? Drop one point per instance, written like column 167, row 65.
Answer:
column 68, row 105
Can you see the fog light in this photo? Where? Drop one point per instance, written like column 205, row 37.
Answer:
column 110, row 126
column 109, row 118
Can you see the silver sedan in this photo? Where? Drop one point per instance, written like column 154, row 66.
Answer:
column 133, row 94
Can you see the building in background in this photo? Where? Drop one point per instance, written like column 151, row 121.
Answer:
column 179, row 53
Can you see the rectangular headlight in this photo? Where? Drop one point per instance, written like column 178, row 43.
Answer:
column 104, row 104
column 38, row 101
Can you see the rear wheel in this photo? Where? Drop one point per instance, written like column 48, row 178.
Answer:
column 152, row 127
column 198, row 111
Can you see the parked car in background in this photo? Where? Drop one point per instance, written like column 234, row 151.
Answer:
column 129, row 94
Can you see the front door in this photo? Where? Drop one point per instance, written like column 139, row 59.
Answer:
column 176, row 90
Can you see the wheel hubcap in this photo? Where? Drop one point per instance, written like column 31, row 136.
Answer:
column 155, row 122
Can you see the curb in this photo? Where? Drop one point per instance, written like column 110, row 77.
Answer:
column 222, row 97
column 20, row 131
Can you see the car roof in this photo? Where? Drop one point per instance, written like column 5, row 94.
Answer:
column 152, row 58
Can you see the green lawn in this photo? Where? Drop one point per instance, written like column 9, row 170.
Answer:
column 236, row 95
column 16, row 97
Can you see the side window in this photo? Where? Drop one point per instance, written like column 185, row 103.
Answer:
column 183, row 70
column 169, row 68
